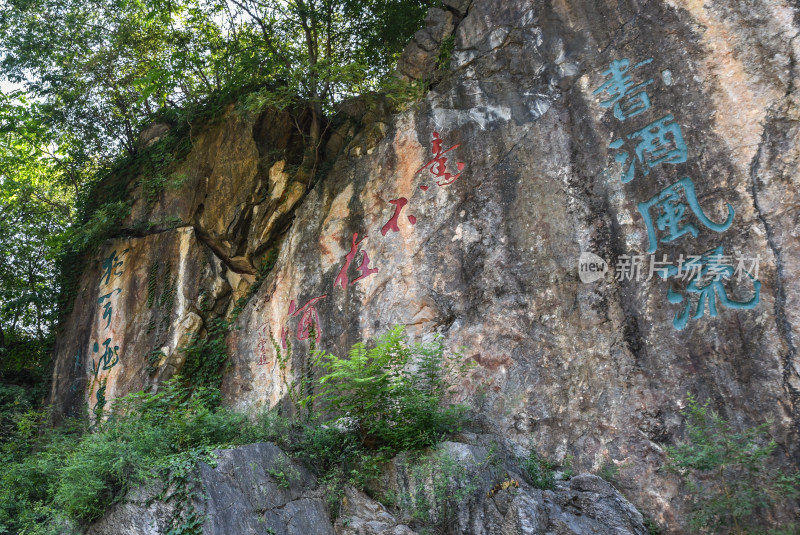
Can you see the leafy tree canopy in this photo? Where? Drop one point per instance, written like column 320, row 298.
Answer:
column 101, row 68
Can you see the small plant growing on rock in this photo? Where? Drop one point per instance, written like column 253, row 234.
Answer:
column 283, row 472
column 609, row 470
column 652, row 526
column 566, row 469
column 540, row 471
column 446, row 52
column 441, row 483
column 726, row 472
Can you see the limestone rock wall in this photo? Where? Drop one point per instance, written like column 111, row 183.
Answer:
column 241, row 495
column 137, row 305
column 628, row 130
column 144, row 298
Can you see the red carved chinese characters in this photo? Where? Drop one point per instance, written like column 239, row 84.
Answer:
column 262, row 346
column 363, row 267
column 392, row 223
column 308, row 315
column 308, row 318
column 341, row 278
column 438, row 164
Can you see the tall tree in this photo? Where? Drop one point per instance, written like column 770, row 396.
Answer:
column 36, row 199
column 101, row 68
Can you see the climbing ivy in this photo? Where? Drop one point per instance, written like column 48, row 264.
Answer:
column 152, row 282
column 156, row 164
column 206, row 356
column 153, row 358
column 167, row 290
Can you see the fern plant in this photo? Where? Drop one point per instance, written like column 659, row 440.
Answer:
column 393, row 394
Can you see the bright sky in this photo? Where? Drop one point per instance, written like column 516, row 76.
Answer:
column 8, row 87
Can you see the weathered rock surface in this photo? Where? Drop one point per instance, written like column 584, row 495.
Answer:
column 420, row 57
column 551, row 162
column 497, row 499
column 241, row 495
column 138, row 304
column 148, row 296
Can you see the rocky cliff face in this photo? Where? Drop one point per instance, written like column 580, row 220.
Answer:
column 242, row 495
column 658, row 139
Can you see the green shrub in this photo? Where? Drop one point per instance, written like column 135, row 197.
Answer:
column 368, row 407
column 440, row 483
column 205, row 357
column 393, row 395
column 283, row 472
column 54, row 478
column 48, row 476
column 540, row 472
column 145, row 436
column 30, row 460
column 726, row 472
column 17, row 416
column 270, row 426
column 93, row 475
column 337, row 457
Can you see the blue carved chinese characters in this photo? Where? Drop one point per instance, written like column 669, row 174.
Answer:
column 627, row 98
column 110, row 266
column 109, row 271
column 671, row 203
column 675, row 210
column 108, row 359
column 107, row 310
column 660, row 142
column 709, row 272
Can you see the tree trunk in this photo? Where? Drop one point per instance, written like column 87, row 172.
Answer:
column 308, row 168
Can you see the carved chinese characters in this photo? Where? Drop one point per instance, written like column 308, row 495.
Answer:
column 357, row 264
column 105, row 353
column 675, row 213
